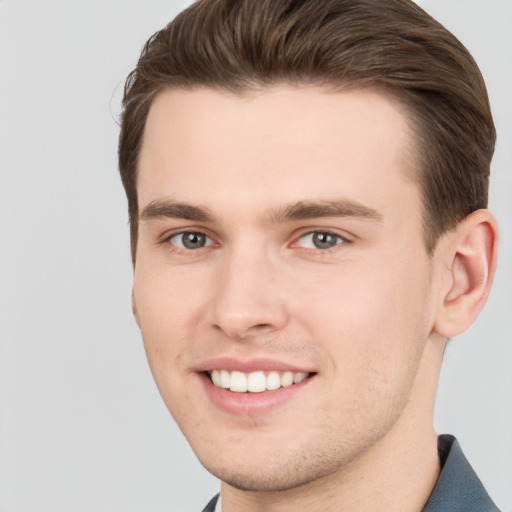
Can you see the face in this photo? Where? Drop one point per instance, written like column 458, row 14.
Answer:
column 282, row 285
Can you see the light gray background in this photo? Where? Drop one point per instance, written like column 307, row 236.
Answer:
column 82, row 427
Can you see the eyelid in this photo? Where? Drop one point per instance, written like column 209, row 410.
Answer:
column 166, row 237
column 343, row 238
column 169, row 235
column 208, row 240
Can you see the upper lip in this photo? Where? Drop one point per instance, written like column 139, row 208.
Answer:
column 250, row 365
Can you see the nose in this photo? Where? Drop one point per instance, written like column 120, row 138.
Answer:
column 248, row 299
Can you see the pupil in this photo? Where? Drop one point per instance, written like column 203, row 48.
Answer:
column 193, row 240
column 324, row 240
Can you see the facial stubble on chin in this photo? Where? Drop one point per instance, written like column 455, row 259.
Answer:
column 310, row 465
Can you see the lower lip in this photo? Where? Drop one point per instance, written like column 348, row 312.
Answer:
column 251, row 404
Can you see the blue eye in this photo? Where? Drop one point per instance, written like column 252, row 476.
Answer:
column 190, row 240
column 320, row 240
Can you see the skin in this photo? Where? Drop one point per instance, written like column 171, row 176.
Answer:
column 368, row 316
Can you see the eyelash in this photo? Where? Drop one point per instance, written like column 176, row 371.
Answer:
column 340, row 240
column 182, row 234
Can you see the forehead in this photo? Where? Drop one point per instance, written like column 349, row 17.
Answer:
column 279, row 144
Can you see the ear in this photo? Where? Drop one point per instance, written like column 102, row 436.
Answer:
column 470, row 257
column 134, row 309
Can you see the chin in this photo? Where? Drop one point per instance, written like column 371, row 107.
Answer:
column 262, row 480
column 275, row 475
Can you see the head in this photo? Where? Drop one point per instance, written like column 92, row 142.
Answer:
column 305, row 184
column 391, row 45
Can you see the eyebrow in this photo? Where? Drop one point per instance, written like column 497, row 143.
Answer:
column 301, row 210
column 169, row 209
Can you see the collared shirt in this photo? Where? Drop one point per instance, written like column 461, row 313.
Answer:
column 458, row 489
column 218, row 506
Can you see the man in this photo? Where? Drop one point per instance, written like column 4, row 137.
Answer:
column 307, row 187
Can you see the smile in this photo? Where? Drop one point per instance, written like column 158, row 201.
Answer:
column 255, row 382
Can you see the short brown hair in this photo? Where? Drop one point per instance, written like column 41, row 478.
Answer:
column 237, row 45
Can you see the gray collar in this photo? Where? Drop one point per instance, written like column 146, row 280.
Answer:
column 458, row 488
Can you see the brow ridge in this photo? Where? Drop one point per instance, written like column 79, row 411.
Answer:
column 168, row 209
column 301, row 210
column 304, row 210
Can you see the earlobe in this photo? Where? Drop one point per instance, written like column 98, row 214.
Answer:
column 134, row 309
column 472, row 256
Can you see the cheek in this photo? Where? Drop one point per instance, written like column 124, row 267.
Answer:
column 372, row 320
column 166, row 301
column 161, row 313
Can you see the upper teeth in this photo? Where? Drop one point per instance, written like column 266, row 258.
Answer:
column 255, row 382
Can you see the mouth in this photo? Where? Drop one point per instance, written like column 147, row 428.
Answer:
column 253, row 387
column 253, row 393
column 255, row 381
